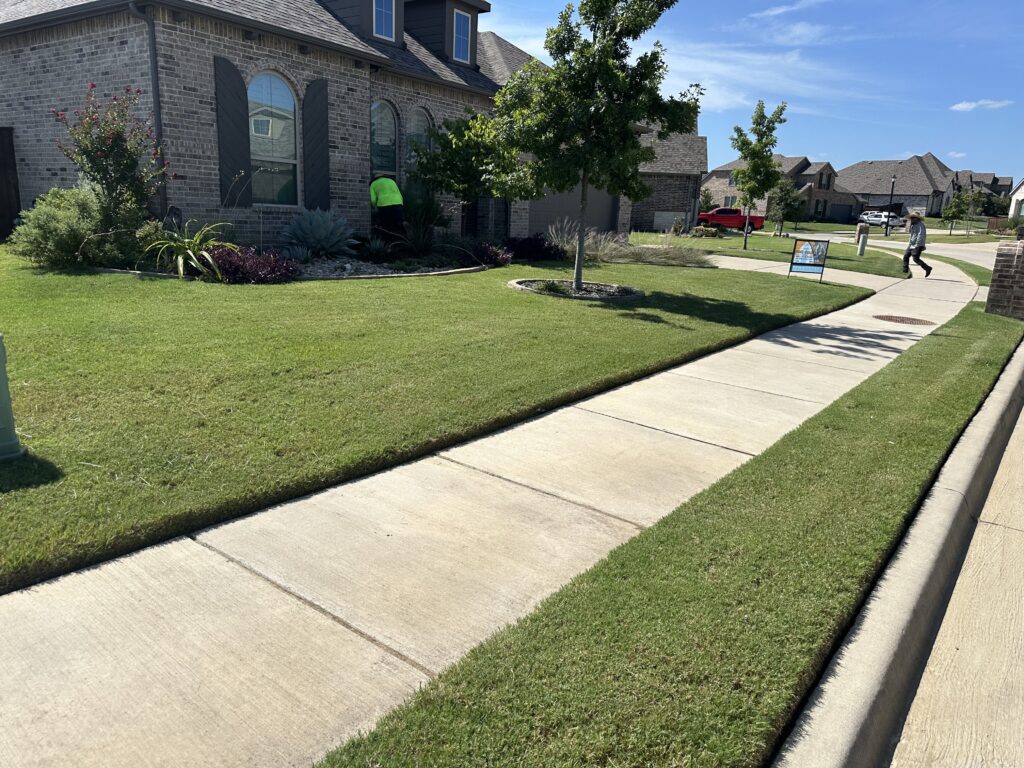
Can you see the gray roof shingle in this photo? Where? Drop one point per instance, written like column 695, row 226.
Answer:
column 786, row 164
column 917, row 175
column 305, row 20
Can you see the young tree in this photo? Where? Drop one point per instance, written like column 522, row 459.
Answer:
column 757, row 149
column 784, row 202
column 707, row 200
column 468, row 159
column 955, row 210
column 577, row 119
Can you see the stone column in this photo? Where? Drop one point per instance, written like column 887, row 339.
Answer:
column 9, row 446
column 1006, row 294
column 519, row 218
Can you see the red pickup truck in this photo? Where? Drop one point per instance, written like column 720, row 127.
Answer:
column 729, row 218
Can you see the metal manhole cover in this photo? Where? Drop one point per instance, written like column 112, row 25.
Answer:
column 903, row 320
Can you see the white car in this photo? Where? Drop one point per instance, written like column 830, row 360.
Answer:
column 881, row 218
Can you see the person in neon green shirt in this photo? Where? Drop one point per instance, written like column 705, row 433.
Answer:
column 388, row 208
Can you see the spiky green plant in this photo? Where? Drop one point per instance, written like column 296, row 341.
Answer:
column 323, row 233
column 182, row 248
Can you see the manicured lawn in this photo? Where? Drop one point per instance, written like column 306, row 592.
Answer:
column 840, row 255
column 979, row 274
column 938, row 237
column 154, row 407
column 692, row 644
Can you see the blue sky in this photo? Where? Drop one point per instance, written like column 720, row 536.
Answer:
column 869, row 80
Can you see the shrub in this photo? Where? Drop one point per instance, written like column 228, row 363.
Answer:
column 298, row 253
column 597, row 245
column 534, row 248
column 58, row 232
column 248, row 265
column 323, row 233
column 492, row 255
column 705, row 232
column 376, row 250
column 188, row 252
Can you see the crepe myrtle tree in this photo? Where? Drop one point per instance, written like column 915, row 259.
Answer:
column 578, row 122
column 757, row 149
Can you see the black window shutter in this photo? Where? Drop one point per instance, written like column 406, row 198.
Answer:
column 316, row 147
column 233, row 135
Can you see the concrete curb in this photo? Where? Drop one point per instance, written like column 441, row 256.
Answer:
column 853, row 717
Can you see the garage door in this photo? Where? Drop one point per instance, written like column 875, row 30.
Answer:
column 841, row 213
column 602, row 210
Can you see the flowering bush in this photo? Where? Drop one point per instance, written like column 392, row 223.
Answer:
column 248, row 265
column 108, row 144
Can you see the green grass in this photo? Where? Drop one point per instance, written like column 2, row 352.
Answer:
column 840, row 255
column 939, row 237
column 979, row 274
column 156, row 407
column 693, row 644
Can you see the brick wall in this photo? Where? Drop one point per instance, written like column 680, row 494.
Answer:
column 52, row 68
column 1006, row 294
column 186, row 70
column 671, row 193
column 718, row 184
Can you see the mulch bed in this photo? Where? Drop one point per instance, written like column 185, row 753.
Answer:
column 563, row 289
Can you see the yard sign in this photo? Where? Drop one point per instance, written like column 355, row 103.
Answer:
column 809, row 257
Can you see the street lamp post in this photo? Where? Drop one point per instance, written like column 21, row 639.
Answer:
column 892, row 191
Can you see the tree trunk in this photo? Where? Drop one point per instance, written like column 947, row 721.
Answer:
column 746, row 229
column 581, row 239
column 951, row 223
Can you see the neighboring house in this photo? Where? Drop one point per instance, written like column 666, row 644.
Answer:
column 674, row 178
column 1017, row 200
column 923, row 183
column 824, row 198
column 265, row 107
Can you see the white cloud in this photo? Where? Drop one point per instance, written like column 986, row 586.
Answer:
column 970, row 106
column 778, row 10
column 957, row 155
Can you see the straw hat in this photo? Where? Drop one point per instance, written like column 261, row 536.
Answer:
column 915, row 215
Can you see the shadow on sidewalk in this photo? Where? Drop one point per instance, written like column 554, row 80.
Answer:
column 845, row 342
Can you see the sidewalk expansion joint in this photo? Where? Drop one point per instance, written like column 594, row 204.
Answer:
column 666, row 431
column 321, row 610
column 753, row 389
column 812, row 362
column 574, row 502
column 1001, row 525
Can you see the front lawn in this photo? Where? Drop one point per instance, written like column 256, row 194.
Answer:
column 694, row 643
column 840, row 255
column 156, row 407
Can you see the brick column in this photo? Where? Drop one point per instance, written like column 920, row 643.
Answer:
column 1006, row 294
column 519, row 218
column 625, row 214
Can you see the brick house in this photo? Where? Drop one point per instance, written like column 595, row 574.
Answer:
column 1017, row 200
column 824, row 198
column 674, row 178
column 264, row 107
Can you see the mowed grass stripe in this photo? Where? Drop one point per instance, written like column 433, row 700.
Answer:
column 153, row 408
column 693, row 644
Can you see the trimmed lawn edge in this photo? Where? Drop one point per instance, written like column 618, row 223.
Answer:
column 674, row 650
column 197, row 520
column 979, row 274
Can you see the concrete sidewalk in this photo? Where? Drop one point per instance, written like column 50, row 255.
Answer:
column 269, row 640
column 969, row 706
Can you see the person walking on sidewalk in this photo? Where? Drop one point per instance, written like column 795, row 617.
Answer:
column 917, row 244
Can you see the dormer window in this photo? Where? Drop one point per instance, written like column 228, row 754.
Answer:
column 384, row 19
column 461, row 36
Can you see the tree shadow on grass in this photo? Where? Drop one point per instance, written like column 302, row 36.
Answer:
column 659, row 307
column 28, row 471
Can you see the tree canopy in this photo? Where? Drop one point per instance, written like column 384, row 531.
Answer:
column 757, row 149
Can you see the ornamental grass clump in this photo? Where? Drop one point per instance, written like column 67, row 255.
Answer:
column 190, row 253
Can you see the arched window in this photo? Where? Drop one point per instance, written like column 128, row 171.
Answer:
column 383, row 139
column 417, row 134
column 272, row 141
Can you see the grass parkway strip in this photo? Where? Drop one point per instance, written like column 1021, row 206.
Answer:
column 153, row 408
column 694, row 643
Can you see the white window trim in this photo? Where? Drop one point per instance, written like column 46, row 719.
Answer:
column 297, row 162
column 393, row 19
column 270, row 127
column 469, row 39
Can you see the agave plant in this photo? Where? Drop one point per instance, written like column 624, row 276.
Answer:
column 323, row 233
column 181, row 248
